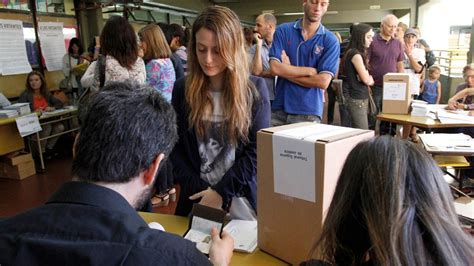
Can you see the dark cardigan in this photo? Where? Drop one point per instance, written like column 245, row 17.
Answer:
column 27, row 97
column 241, row 178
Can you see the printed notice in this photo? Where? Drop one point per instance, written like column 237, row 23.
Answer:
column 52, row 44
column 13, row 57
column 28, row 124
column 293, row 167
column 394, row 91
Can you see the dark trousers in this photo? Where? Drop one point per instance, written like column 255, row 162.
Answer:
column 331, row 104
column 385, row 127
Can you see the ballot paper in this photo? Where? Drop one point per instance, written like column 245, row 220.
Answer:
column 244, row 234
column 447, row 142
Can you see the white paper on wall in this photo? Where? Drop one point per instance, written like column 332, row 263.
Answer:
column 52, row 44
column 13, row 58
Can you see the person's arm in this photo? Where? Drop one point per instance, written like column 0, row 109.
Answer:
column 66, row 66
column 400, row 67
column 221, row 250
column 422, row 88
column 326, row 66
column 255, row 51
column 243, row 172
column 359, row 66
column 452, row 102
column 414, row 62
column 88, row 78
column 287, row 71
column 54, row 102
column 439, row 93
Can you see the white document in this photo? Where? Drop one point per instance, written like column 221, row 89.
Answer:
column 455, row 117
column 465, row 207
column 244, row 234
column 200, row 233
column 52, row 44
column 13, row 58
column 28, row 124
column 293, row 167
column 394, row 91
column 294, row 159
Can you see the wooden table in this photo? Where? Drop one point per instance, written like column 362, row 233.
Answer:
column 61, row 115
column 418, row 121
column 10, row 139
column 178, row 225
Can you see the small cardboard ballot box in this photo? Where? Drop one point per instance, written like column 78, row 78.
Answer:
column 298, row 168
column 396, row 93
column 17, row 165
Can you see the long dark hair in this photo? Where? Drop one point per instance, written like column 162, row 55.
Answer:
column 357, row 41
column 118, row 39
column 392, row 207
column 76, row 42
column 43, row 89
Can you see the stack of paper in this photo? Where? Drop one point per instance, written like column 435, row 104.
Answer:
column 447, row 142
column 420, row 108
column 465, row 207
column 455, row 117
column 21, row 108
column 244, row 234
column 8, row 113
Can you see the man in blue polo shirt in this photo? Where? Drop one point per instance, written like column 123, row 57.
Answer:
column 305, row 57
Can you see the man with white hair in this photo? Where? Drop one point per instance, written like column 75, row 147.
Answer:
column 385, row 55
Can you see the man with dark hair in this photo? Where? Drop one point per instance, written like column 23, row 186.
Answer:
column 305, row 57
column 265, row 26
column 127, row 131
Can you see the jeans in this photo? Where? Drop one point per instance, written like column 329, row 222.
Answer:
column 280, row 118
column 385, row 127
column 358, row 112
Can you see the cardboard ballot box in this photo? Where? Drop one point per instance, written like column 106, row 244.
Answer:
column 17, row 165
column 396, row 93
column 298, row 167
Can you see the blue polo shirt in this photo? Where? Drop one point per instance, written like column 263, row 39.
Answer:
column 320, row 52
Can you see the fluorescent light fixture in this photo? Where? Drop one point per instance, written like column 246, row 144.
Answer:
column 374, row 7
column 332, row 12
column 293, row 14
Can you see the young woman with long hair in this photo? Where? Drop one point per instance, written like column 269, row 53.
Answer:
column 392, row 207
column 70, row 61
column 119, row 46
column 156, row 53
column 41, row 100
column 160, row 75
column 355, row 68
column 219, row 108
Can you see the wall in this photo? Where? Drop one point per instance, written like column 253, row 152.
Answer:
column 13, row 85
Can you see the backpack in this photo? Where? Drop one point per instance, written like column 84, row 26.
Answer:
column 430, row 58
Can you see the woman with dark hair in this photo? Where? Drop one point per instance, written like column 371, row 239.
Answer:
column 355, row 68
column 119, row 47
column 39, row 98
column 392, row 207
column 70, row 62
column 219, row 111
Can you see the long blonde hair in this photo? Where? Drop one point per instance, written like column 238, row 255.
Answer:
column 238, row 92
column 155, row 40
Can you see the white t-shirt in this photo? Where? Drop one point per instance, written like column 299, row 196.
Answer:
column 419, row 55
column 218, row 156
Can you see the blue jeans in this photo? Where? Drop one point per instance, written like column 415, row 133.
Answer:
column 280, row 118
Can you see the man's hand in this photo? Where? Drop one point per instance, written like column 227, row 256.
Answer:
column 285, row 59
column 258, row 39
column 408, row 49
column 209, row 197
column 221, row 249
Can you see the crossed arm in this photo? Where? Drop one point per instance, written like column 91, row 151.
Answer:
column 304, row 76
